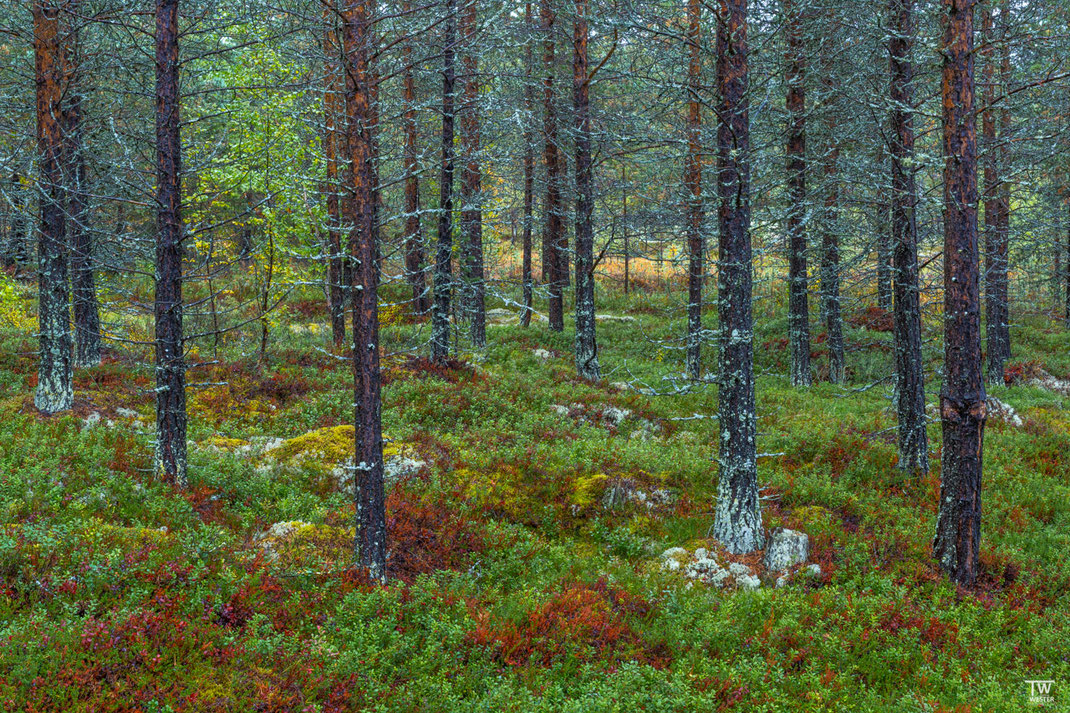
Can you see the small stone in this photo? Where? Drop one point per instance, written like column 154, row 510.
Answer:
column 401, row 468
column 814, row 570
column 708, row 571
column 614, row 415
column 786, row 549
column 500, row 315
column 1002, row 411
column 674, row 553
column 739, row 570
column 91, row 420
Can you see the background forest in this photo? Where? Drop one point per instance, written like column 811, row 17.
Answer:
column 568, row 355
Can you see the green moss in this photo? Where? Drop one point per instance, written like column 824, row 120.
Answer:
column 587, row 490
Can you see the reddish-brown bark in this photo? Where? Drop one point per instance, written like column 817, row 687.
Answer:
column 962, row 400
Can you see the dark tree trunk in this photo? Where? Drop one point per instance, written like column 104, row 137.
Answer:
column 962, row 401
column 471, row 183
column 696, row 241
column 738, row 520
column 86, row 309
column 414, row 241
column 332, row 111
column 910, row 375
column 440, row 312
column 997, row 197
column 360, row 120
column 170, row 360
column 624, row 226
column 54, row 390
column 885, row 253
column 830, row 247
column 586, row 344
column 798, row 306
column 554, row 231
column 529, row 173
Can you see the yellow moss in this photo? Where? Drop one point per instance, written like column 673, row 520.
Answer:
column 501, row 490
column 333, row 445
column 304, row 544
column 225, row 444
column 327, row 445
column 587, row 489
column 813, row 514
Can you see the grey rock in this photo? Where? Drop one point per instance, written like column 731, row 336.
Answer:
column 785, row 549
column 709, row 571
column 739, row 570
column 674, row 553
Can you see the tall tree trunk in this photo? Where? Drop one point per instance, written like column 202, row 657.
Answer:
column 332, row 111
column 86, row 309
column 168, row 307
column 997, row 196
column 554, row 232
column 54, row 389
column 696, row 241
column 440, row 312
column 738, row 520
column 529, row 172
column 885, row 256
column 910, row 375
column 414, row 241
column 471, row 182
column 962, row 400
column 586, row 344
column 624, row 227
column 360, row 123
column 798, row 306
column 830, row 245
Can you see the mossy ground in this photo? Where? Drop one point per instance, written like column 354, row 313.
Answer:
column 515, row 588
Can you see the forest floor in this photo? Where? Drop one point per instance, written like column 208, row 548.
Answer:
column 528, row 514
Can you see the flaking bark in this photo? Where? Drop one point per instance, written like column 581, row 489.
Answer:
column 738, row 520
column 696, row 241
column 168, row 307
column 471, row 183
column 798, row 302
column 54, row 381
column 910, row 376
column 962, row 400
column 443, row 282
column 586, row 343
column 361, row 117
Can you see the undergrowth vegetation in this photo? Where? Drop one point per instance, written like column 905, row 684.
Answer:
column 525, row 569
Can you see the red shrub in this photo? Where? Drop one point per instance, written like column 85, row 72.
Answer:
column 426, row 536
column 873, row 318
column 589, row 622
